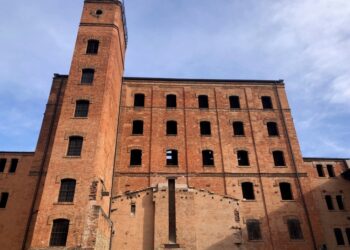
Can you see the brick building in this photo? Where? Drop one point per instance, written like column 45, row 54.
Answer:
column 154, row 163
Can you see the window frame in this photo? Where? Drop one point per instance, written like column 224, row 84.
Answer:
column 92, row 47
column 234, row 102
column 207, row 160
column 175, row 155
column 248, row 192
column 253, row 230
column 59, row 232
column 139, row 103
column 171, row 103
column 87, row 76
column 136, row 160
column 75, row 150
column 67, row 190
column 203, row 102
column 81, row 108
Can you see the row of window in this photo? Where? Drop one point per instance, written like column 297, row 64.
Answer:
column 321, row 173
column 249, row 194
column 338, row 199
column 13, row 165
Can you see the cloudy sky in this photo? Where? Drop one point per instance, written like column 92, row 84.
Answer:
column 304, row 42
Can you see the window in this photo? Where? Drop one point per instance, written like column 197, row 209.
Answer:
column 320, row 171
column 234, row 102
column 330, row 170
column 3, row 199
column 133, row 209
column 238, row 128
column 171, row 128
column 92, row 47
column 272, row 128
column 208, row 157
column 266, row 102
column 339, row 237
column 340, row 202
column 87, row 76
column 82, row 108
column 2, row 164
column 171, row 157
column 205, row 128
column 329, row 202
column 248, row 191
column 203, row 102
column 278, row 158
column 294, row 229
column 347, row 231
column 59, row 232
column 242, row 158
column 171, row 101
column 67, row 190
column 13, row 166
column 286, row 191
column 137, row 127
column 139, row 100
column 75, row 145
column 135, row 157
column 253, row 228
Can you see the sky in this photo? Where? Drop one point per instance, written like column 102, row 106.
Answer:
column 304, row 42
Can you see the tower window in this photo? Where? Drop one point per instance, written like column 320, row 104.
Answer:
column 13, row 166
column 2, row 164
column 339, row 237
column 329, row 202
column 278, row 158
column 171, row 101
column 75, row 145
column 171, row 157
column 330, row 170
column 137, row 127
column 208, row 157
column 253, row 228
column 139, row 100
column 59, row 232
column 272, row 128
column 234, row 102
column 205, row 128
column 3, row 199
column 340, row 202
column 238, row 128
column 320, row 171
column 294, row 229
column 171, row 128
column 248, row 191
column 67, row 190
column 135, row 157
column 82, row 108
column 286, row 191
column 203, row 102
column 87, row 76
column 266, row 102
column 242, row 158
column 92, row 47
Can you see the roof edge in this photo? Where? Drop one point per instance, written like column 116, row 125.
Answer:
column 324, row 159
column 18, row 152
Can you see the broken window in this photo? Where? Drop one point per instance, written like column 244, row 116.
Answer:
column 278, row 158
column 13, row 166
column 59, row 232
column 203, row 102
column 294, row 229
column 238, row 128
column 234, row 102
column 139, row 100
column 135, row 157
column 248, row 191
column 329, row 202
column 92, row 46
column 208, row 157
column 67, row 190
column 272, row 128
column 339, row 237
column 253, row 228
column 87, row 76
column 171, row 157
column 320, row 171
column 286, row 191
column 205, row 128
column 171, row 101
column 266, row 102
column 242, row 158
column 75, row 145
column 340, row 203
column 137, row 127
column 3, row 199
column 82, row 108
column 171, row 128
column 330, row 170
column 2, row 164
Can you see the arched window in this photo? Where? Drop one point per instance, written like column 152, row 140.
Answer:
column 87, row 76
column 139, row 100
column 67, row 190
column 75, row 145
column 234, row 102
column 238, row 128
column 59, row 232
column 266, row 102
column 294, row 229
column 272, row 128
column 242, row 158
column 208, row 157
column 248, row 191
column 137, row 127
column 253, row 228
column 171, row 157
column 205, row 128
column 286, row 191
column 203, row 102
column 278, row 158
column 92, row 46
column 135, row 157
column 171, row 128
column 171, row 101
column 82, row 108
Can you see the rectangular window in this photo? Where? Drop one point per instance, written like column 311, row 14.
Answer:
column 171, row 157
column 133, row 209
column 320, row 171
column 339, row 237
column 82, row 108
column 203, row 102
column 294, row 229
column 340, row 203
column 253, row 228
column 329, row 202
column 234, row 102
column 2, row 164
column 3, row 199
column 87, row 76
column 330, row 170
column 13, row 165
column 266, row 102
column 347, row 231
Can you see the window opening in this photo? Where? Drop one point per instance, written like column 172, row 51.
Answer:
column 137, row 127
column 75, row 145
column 59, row 232
column 3, row 199
column 234, row 102
column 340, row 202
column 242, row 157
column 294, row 229
column 82, row 108
column 139, row 100
column 171, row 157
column 135, row 157
column 171, row 128
column 266, row 102
column 205, row 128
column 208, row 157
column 329, row 202
column 278, row 158
column 87, row 76
column 92, row 47
column 171, row 101
column 238, row 128
column 2, row 164
column 330, row 170
column 67, row 190
column 272, row 128
column 133, row 208
column 13, row 166
column 347, row 231
column 248, row 191
column 253, row 228
column 320, row 171
column 339, row 236
column 286, row 191
column 203, row 102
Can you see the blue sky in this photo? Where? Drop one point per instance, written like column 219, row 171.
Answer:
column 304, row 42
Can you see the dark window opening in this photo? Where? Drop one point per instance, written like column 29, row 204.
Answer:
column 67, row 190
column 329, row 202
column 171, row 128
column 339, row 237
column 3, row 199
column 203, row 102
column 320, row 171
column 234, row 102
column 139, row 100
column 82, row 108
column 205, row 128
column 2, row 164
column 330, row 170
column 286, row 191
column 135, row 157
column 87, row 76
column 248, row 191
column 347, row 231
column 59, row 232
column 137, row 127
column 75, row 145
column 238, row 128
column 278, row 158
column 266, row 102
column 13, row 166
column 294, row 229
column 272, row 128
column 208, row 157
column 253, row 228
column 172, row 211
column 92, row 47
column 171, row 157
column 133, row 208
column 340, row 202
column 171, row 101
column 242, row 158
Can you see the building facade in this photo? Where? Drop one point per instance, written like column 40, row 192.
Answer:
column 155, row 163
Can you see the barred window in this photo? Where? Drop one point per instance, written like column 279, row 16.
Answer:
column 139, row 100
column 266, row 102
column 171, row 101
column 87, row 76
column 3, row 199
column 92, row 46
column 208, row 157
column 242, row 158
column 234, row 102
column 171, row 157
column 135, row 157
column 137, row 127
column 278, row 158
column 59, row 232
column 203, row 102
column 75, row 145
column 82, row 108
column 205, row 128
column 294, row 229
column 253, row 228
column 272, row 128
column 67, row 190
column 238, row 128
column 171, row 128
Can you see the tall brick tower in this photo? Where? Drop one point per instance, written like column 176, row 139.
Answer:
column 77, row 186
